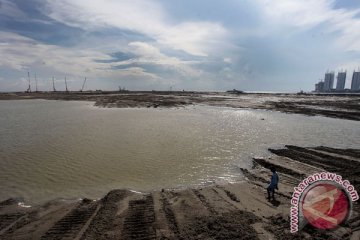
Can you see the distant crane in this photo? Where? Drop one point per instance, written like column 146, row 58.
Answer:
column 36, row 88
column 82, row 88
column 53, row 84
column 29, row 87
column 66, row 88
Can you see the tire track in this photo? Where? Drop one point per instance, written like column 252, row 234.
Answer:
column 71, row 224
column 19, row 223
column 305, row 158
column 230, row 198
column 231, row 195
column 8, row 219
column 170, row 216
column 203, row 200
column 337, row 161
column 348, row 169
column 139, row 219
column 346, row 152
column 105, row 217
column 279, row 168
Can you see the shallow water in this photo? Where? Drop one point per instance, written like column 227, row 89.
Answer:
column 58, row 149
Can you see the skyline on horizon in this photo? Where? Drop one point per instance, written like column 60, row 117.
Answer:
column 260, row 45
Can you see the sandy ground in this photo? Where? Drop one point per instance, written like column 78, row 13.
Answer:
column 336, row 106
column 232, row 211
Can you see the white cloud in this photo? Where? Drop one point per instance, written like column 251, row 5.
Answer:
column 21, row 52
column 125, row 14
column 197, row 38
column 301, row 15
column 24, row 54
column 227, row 60
column 143, row 16
column 151, row 55
column 139, row 72
column 145, row 49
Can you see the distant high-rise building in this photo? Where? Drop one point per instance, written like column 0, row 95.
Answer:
column 341, row 78
column 329, row 81
column 319, row 87
column 355, row 83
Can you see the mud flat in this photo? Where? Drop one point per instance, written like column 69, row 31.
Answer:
column 232, row 211
column 345, row 106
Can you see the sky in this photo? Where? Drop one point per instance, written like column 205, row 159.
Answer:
column 209, row 45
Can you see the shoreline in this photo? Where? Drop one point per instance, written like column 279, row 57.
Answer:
column 231, row 211
column 328, row 105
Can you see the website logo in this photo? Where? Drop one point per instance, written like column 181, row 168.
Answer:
column 325, row 206
column 323, row 200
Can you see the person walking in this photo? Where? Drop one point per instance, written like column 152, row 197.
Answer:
column 273, row 184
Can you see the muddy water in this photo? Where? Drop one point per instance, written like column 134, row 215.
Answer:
column 58, row 149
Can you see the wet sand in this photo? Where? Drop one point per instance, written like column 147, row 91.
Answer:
column 345, row 106
column 232, row 211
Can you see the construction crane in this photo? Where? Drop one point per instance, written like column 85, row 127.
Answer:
column 66, row 88
column 36, row 88
column 53, row 84
column 29, row 88
column 82, row 88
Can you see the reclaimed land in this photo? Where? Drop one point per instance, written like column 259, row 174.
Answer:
column 232, row 211
column 345, row 106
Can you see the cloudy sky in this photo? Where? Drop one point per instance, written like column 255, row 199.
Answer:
column 254, row 45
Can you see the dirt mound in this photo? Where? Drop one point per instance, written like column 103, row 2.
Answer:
column 233, row 225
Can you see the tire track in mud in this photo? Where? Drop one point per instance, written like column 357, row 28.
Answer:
column 7, row 219
column 205, row 202
column 252, row 177
column 138, row 223
column 19, row 223
column 346, row 152
column 229, row 199
column 279, row 168
column 170, row 216
column 305, row 158
column 69, row 226
column 105, row 217
column 228, row 193
column 312, row 158
column 348, row 169
column 337, row 161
